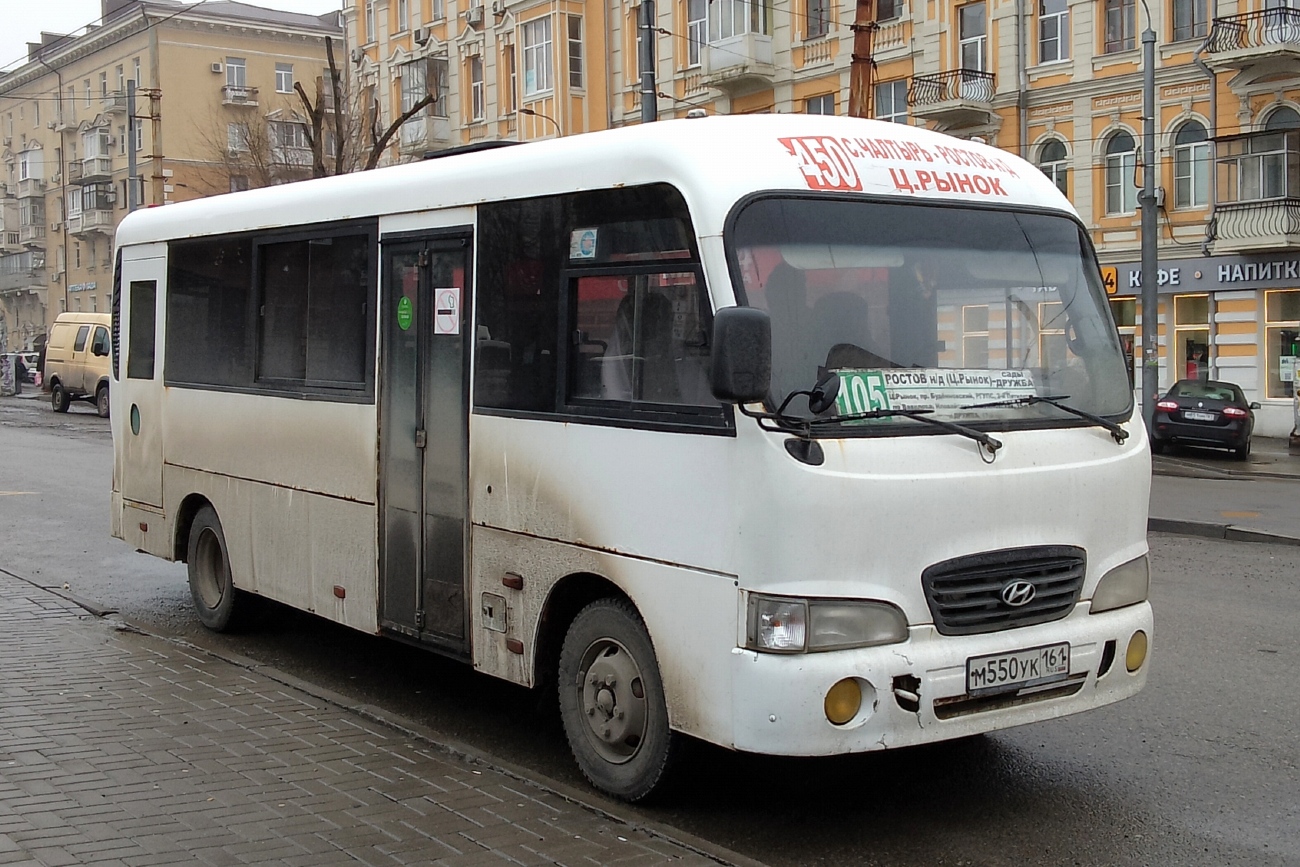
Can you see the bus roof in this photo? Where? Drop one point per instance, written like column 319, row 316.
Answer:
column 714, row 161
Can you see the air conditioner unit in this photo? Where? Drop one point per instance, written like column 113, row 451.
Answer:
column 498, row 7
column 474, row 16
column 358, row 55
column 52, row 124
column 421, row 35
column 216, row 66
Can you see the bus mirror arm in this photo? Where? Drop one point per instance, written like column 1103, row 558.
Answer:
column 741, row 367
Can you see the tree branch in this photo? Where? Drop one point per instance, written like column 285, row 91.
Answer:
column 377, row 150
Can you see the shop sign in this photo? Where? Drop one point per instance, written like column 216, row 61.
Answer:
column 1212, row 274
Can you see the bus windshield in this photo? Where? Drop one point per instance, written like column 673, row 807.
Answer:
column 926, row 307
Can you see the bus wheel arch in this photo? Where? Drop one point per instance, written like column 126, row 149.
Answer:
column 612, row 701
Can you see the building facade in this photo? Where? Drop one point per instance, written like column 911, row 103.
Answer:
column 1056, row 81
column 157, row 103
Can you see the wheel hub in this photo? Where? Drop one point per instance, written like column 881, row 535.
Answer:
column 613, row 700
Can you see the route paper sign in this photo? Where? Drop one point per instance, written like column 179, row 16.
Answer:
column 446, row 311
column 929, row 388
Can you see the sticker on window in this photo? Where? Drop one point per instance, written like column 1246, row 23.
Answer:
column 928, row 388
column 582, row 244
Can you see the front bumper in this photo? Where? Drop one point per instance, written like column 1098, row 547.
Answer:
column 778, row 700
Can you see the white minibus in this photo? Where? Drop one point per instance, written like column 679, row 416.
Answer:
column 799, row 435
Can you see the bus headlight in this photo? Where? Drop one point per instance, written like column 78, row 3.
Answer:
column 1126, row 584
column 784, row 625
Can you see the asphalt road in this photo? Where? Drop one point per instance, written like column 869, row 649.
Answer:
column 1200, row 769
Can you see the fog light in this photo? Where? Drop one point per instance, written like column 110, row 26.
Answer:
column 843, row 701
column 1134, row 657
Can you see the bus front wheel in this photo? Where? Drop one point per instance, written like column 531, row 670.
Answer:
column 211, row 584
column 612, row 702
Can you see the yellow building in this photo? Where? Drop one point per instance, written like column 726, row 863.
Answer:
column 214, row 110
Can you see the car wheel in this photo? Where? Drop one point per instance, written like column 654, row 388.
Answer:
column 1158, row 447
column 612, row 702
column 215, row 598
column 59, row 399
column 1243, row 452
column 101, row 401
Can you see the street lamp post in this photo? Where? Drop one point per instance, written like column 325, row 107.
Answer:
column 559, row 132
column 1150, row 229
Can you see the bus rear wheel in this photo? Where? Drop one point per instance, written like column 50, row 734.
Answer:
column 612, row 702
column 211, row 584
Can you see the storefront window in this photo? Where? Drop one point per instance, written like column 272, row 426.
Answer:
column 1124, row 311
column 1282, row 338
column 1192, row 336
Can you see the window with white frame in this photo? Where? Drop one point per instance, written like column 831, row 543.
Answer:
column 439, row 85
column 509, row 80
column 439, row 10
column 94, row 143
column 139, row 136
column 121, row 140
column 403, row 14
column 697, row 30
column 476, row 88
column 236, row 72
column 1121, row 168
column 891, row 101
column 575, row 50
column 1052, row 160
column 284, row 78
column 537, row 56
column 972, row 35
column 288, row 141
column 818, row 18
column 1053, row 31
column 1191, row 166
column 103, row 84
column 728, row 18
column 824, row 104
column 369, row 13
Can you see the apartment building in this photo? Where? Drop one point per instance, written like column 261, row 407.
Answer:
column 214, row 110
column 1056, row 81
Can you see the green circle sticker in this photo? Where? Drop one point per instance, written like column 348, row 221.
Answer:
column 404, row 313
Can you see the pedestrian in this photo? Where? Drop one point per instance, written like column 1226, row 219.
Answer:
column 20, row 373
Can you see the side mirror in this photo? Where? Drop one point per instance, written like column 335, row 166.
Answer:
column 1254, row 404
column 99, row 350
column 742, row 355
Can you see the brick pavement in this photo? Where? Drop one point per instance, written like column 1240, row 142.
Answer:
column 118, row 748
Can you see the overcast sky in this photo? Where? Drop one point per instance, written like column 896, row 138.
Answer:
column 21, row 21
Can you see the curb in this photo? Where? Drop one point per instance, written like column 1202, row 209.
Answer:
column 1208, row 530
column 588, row 801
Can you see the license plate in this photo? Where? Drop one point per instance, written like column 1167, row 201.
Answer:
column 1193, row 415
column 1000, row 672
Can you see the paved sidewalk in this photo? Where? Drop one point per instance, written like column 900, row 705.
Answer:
column 118, row 748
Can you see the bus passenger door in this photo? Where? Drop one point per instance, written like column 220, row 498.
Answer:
column 424, row 439
column 136, row 393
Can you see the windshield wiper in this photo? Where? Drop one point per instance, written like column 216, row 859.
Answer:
column 919, row 415
column 1055, row 400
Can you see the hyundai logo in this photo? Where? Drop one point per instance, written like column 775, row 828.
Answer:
column 1018, row 593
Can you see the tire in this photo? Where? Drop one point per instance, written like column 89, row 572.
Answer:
column 215, row 598
column 1158, row 447
column 612, row 702
column 59, row 399
column 101, row 401
column 1243, row 452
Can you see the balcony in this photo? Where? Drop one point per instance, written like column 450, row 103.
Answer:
column 421, row 134
column 1259, row 45
column 955, row 99
column 1257, row 175
column 738, row 63
column 96, row 220
column 31, row 188
column 31, row 234
column 233, row 94
column 24, row 271
column 10, row 241
column 94, row 169
column 1256, row 227
column 113, row 102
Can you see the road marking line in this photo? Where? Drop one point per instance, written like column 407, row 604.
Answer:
column 15, row 493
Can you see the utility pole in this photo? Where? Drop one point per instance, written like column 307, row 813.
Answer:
column 863, row 65
column 646, row 60
column 132, row 170
column 1150, row 237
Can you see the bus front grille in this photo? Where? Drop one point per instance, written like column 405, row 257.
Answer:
column 966, row 594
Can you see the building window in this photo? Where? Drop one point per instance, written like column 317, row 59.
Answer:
column 103, row 85
column 975, row 335
column 403, row 14
column 697, row 30
column 237, row 137
column 1282, row 118
column 891, row 101
column 121, row 79
column 121, row 140
column 436, row 74
column 1189, row 19
column 1120, row 25
column 888, row 10
column 730, row 18
column 1053, row 31
column 1124, row 311
column 1121, row 167
column 238, row 183
column 824, row 104
column 575, row 51
column 284, row 78
column 439, row 11
column 537, row 56
column 1052, row 159
column 1191, row 166
column 1282, row 339
column 139, row 136
column 476, row 88
column 818, row 15
column 972, row 35
column 370, row 19
column 510, row 80
column 135, row 63
column 1191, row 337
column 86, row 83
column 236, row 72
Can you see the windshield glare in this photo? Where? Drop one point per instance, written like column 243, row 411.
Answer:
column 930, row 307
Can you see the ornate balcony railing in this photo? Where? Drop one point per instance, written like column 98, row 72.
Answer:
column 962, row 85
column 1263, row 224
column 1263, row 30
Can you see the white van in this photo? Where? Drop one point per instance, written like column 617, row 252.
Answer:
column 77, row 360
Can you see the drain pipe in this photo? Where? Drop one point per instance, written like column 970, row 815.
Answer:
column 1022, row 81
